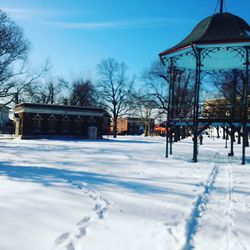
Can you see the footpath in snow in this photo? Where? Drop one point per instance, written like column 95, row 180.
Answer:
column 121, row 194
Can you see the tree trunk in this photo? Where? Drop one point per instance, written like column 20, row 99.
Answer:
column 16, row 98
column 239, row 137
column 146, row 129
column 183, row 132
column 247, row 140
column 177, row 134
column 115, row 128
column 218, row 132
column 224, row 133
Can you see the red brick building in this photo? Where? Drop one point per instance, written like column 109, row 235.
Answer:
column 132, row 126
column 42, row 120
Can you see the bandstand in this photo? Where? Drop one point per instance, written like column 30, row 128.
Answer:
column 219, row 42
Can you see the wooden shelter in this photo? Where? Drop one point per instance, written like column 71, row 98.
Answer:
column 43, row 120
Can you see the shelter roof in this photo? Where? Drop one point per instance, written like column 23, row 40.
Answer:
column 58, row 109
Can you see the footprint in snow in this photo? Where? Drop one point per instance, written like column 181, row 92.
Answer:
column 81, row 232
column 171, row 230
column 62, row 238
column 70, row 246
column 93, row 196
column 97, row 206
column 101, row 212
column 83, row 221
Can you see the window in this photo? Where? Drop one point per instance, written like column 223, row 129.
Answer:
column 37, row 124
column 52, row 124
column 78, row 125
column 65, row 124
column 91, row 120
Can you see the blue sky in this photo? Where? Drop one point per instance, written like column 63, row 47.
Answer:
column 76, row 34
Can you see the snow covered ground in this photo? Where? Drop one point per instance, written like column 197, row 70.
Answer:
column 122, row 195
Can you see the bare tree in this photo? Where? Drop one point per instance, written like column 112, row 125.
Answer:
column 114, row 89
column 46, row 90
column 26, row 81
column 156, row 79
column 229, row 93
column 14, row 48
column 83, row 93
column 228, row 100
column 183, row 94
column 145, row 108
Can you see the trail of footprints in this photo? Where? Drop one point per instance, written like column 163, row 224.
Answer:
column 68, row 239
column 199, row 209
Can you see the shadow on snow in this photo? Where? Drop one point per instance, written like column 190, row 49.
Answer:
column 53, row 177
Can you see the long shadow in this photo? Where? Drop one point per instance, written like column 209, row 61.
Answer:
column 247, row 160
column 222, row 190
column 128, row 141
column 69, row 139
column 63, row 146
column 53, row 177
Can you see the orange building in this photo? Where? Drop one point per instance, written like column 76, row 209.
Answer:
column 132, row 126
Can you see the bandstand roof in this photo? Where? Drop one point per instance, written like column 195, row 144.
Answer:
column 222, row 35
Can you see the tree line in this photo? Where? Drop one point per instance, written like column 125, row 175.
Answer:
column 114, row 89
column 144, row 96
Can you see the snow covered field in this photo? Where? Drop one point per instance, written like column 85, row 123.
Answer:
column 122, row 195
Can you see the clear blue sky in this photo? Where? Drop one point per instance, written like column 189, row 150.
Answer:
column 77, row 34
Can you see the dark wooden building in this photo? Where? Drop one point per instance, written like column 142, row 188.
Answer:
column 43, row 120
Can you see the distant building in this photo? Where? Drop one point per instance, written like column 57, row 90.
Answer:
column 222, row 107
column 42, row 120
column 132, row 126
column 160, row 129
column 4, row 118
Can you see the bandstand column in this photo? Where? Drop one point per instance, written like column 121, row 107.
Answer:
column 232, row 129
column 196, row 102
column 172, row 111
column 168, row 127
column 245, row 103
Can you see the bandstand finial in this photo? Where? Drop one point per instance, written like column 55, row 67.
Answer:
column 221, row 6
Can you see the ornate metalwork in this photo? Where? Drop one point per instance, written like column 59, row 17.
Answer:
column 240, row 51
column 207, row 52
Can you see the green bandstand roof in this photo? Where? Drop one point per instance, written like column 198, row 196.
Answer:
column 222, row 35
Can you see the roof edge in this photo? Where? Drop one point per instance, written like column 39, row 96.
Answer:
column 57, row 106
column 174, row 50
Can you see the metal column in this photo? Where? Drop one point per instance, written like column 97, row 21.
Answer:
column 169, row 106
column 232, row 131
column 245, row 103
column 196, row 101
